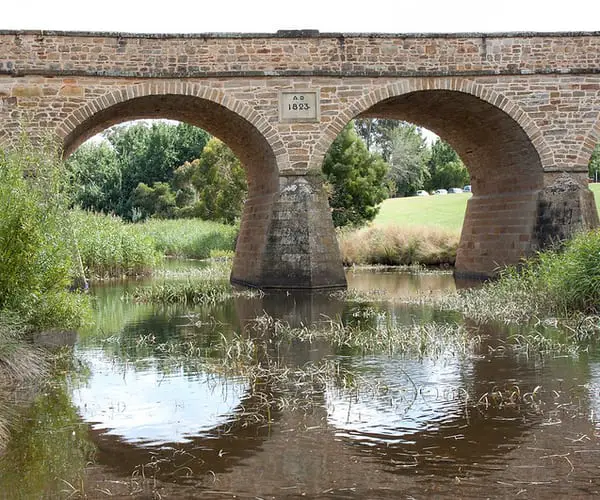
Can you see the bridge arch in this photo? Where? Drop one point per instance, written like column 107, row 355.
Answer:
column 504, row 151
column 244, row 130
column 419, row 101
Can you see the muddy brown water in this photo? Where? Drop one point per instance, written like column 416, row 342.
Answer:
column 133, row 418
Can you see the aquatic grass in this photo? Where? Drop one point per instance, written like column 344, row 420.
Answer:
column 185, row 292
column 189, row 238
column 111, row 248
column 398, row 245
column 563, row 283
column 429, row 340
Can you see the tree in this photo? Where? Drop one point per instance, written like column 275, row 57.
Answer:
column 215, row 183
column 158, row 200
column 445, row 167
column 408, row 159
column 594, row 165
column 375, row 132
column 105, row 175
column 95, row 177
column 151, row 153
column 355, row 179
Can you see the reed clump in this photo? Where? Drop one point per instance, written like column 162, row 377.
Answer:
column 561, row 283
column 111, row 248
column 398, row 245
column 189, row 238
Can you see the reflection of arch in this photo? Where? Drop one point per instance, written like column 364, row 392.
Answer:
column 216, row 451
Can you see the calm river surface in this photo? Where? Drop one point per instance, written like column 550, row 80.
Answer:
column 146, row 410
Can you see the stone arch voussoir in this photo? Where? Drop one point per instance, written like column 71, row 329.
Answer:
column 144, row 89
column 589, row 143
column 420, row 84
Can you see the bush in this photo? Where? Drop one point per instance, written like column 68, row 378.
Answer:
column 36, row 243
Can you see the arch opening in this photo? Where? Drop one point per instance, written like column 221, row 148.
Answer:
column 238, row 133
column 504, row 165
column 498, row 153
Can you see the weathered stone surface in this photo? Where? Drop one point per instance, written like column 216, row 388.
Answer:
column 565, row 208
column 518, row 108
column 299, row 253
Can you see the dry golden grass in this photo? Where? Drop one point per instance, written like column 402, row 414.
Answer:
column 398, row 245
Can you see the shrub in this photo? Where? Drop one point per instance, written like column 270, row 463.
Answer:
column 36, row 243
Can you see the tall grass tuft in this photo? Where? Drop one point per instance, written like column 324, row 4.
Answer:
column 563, row 282
column 397, row 245
column 189, row 238
column 109, row 247
column 570, row 277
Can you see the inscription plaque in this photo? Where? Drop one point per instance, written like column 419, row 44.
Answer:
column 299, row 106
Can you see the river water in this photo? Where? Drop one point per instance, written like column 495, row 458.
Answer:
column 145, row 408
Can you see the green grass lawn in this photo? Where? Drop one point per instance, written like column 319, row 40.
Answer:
column 445, row 211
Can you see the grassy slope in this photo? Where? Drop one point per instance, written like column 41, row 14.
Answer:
column 443, row 211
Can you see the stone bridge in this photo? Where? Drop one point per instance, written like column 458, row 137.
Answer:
column 521, row 109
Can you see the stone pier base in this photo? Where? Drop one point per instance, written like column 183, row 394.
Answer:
column 504, row 228
column 288, row 240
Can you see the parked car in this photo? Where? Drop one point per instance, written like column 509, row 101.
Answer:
column 422, row 193
column 467, row 188
column 455, row 190
column 440, row 191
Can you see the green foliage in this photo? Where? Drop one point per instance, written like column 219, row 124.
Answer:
column 111, row 248
column 408, row 159
column 96, row 177
column 36, row 243
column 158, row 200
column 189, row 238
column 105, row 175
column 356, row 179
column 215, row 184
column 446, row 170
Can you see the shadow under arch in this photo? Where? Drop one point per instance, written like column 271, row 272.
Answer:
column 221, row 116
column 503, row 150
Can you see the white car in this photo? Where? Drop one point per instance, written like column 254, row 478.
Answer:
column 422, row 193
column 455, row 190
column 440, row 191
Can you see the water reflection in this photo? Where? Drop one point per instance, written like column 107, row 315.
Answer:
column 155, row 401
column 147, row 406
column 398, row 283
